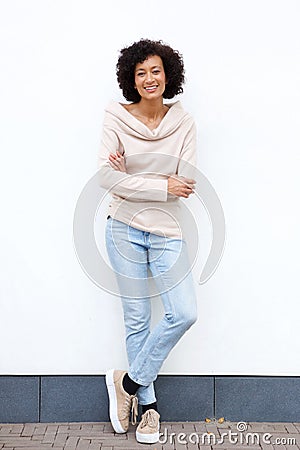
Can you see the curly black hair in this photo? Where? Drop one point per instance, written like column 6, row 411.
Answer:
column 138, row 52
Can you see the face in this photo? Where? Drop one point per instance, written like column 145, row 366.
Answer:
column 150, row 78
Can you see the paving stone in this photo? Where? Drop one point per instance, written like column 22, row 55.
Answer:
column 83, row 444
column 52, row 428
column 6, row 428
column 17, row 428
column 108, row 439
column 279, row 435
column 297, row 425
column 14, row 440
column 136, row 447
column 290, row 427
column 168, row 446
column 96, row 446
column 192, row 447
column 37, row 437
column 30, row 448
column 260, row 427
column 27, row 445
column 224, row 425
column 100, row 427
column 62, row 429
column 48, row 438
column 176, row 427
column 189, row 427
column 279, row 426
column 39, row 429
column 28, row 430
column 212, row 428
column 74, row 426
column 71, row 442
column 60, row 439
column 86, row 427
column 200, row 427
column 267, row 446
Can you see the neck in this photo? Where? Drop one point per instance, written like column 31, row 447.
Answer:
column 151, row 108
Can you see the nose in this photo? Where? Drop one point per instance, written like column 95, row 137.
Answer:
column 149, row 77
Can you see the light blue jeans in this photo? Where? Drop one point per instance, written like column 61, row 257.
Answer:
column 132, row 252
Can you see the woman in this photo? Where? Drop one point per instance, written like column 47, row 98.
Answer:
column 147, row 154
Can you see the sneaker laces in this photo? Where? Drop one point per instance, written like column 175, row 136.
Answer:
column 130, row 405
column 149, row 418
column 126, row 406
column 134, row 409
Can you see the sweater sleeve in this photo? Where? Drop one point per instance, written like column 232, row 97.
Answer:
column 130, row 187
column 188, row 156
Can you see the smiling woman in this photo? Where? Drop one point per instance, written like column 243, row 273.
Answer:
column 147, row 152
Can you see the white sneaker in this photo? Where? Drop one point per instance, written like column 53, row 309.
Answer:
column 147, row 431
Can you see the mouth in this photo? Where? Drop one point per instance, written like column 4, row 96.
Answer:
column 151, row 88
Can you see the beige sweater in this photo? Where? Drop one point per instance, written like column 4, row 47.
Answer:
column 140, row 197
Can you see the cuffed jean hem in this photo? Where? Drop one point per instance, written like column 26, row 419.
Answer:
column 138, row 380
column 145, row 403
column 146, row 395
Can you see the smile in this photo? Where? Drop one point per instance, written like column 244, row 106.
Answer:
column 151, row 88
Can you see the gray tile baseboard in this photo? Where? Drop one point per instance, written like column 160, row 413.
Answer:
column 259, row 399
column 19, row 399
column 75, row 398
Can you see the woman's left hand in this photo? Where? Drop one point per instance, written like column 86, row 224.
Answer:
column 117, row 161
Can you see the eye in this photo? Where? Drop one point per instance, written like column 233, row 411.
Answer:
column 156, row 71
column 140, row 74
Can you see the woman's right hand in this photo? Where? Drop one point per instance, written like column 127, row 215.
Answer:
column 117, row 162
column 180, row 186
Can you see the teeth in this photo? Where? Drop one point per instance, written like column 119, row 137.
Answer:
column 150, row 88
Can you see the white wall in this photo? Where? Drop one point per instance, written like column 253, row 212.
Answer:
column 57, row 70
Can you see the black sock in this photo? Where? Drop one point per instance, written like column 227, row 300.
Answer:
column 150, row 406
column 129, row 385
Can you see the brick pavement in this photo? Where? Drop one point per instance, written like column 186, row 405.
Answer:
column 175, row 436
